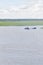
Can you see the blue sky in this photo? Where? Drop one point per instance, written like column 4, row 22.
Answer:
column 4, row 3
column 21, row 8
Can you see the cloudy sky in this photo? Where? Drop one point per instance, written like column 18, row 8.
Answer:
column 21, row 9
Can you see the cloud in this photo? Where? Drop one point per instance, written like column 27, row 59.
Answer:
column 34, row 9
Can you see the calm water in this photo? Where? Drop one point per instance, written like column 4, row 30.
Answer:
column 21, row 47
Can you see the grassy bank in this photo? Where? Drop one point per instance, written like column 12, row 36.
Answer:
column 20, row 23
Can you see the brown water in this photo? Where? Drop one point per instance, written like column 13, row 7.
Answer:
column 21, row 47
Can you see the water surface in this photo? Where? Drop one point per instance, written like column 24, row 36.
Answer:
column 21, row 47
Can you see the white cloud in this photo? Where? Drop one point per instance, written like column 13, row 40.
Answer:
column 33, row 10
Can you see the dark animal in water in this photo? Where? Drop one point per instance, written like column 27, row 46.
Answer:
column 27, row 28
column 34, row 28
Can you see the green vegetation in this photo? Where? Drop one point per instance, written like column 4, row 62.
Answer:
column 20, row 23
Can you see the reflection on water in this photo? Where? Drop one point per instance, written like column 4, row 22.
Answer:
column 21, row 47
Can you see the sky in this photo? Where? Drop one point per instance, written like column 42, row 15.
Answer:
column 21, row 9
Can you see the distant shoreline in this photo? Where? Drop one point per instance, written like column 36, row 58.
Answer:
column 21, row 20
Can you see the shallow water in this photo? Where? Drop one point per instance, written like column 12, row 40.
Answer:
column 21, row 47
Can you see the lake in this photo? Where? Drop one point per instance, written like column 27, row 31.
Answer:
column 21, row 47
